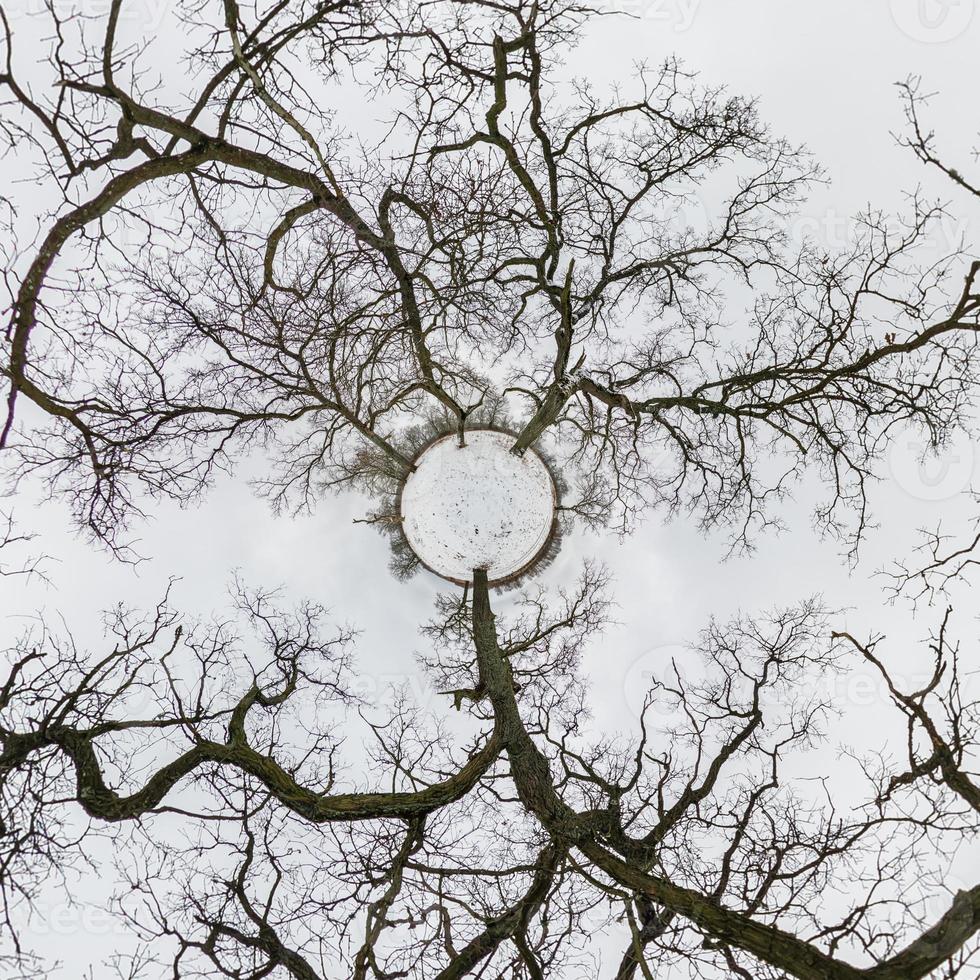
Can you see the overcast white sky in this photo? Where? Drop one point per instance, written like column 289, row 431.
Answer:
column 825, row 75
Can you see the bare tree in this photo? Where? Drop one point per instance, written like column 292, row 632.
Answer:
column 922, row 141
column 236, row 270
column 499, row 840
column 232, row 270
column 948, row 560
column 12, row 541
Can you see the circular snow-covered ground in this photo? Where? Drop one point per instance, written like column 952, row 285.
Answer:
column 478, row 506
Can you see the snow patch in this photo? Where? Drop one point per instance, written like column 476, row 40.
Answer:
column 478, row 506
